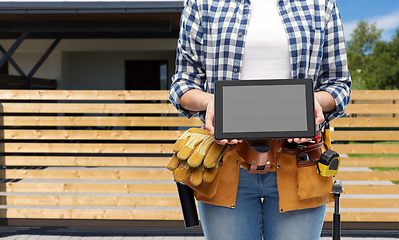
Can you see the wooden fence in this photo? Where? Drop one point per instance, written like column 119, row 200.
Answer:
column 101, row 155
column 369, row 131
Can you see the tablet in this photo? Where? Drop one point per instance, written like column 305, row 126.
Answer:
column 264, row 109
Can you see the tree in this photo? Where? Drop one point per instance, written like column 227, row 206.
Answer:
column 384, row 67
column 363, row 39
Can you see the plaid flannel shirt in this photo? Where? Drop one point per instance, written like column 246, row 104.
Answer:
column 212, row 37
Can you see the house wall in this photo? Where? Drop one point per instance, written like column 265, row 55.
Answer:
column 50, row 69
column 104, row 70
column 90, row 64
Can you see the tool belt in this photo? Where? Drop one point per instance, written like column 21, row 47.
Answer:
column 313, row 153
column 260, row 154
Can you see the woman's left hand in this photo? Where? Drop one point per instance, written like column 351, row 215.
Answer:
column 319, row 119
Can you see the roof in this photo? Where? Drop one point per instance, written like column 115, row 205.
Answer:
column 90, row 19
column 87, row 7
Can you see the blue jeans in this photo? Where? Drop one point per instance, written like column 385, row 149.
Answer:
column 257, row 215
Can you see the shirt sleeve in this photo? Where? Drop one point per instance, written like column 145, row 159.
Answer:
column 190, row 67
column 334, row 75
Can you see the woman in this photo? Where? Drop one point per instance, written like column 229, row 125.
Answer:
column 261, row 39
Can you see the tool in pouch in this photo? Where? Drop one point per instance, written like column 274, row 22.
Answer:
column 329, row 161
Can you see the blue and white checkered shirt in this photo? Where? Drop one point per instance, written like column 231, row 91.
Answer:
column 211, row 46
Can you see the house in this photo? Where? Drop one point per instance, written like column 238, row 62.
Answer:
column 88, row 45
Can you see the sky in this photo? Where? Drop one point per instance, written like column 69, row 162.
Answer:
column 385, row 13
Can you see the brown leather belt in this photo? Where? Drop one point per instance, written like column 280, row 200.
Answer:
column 261, row 159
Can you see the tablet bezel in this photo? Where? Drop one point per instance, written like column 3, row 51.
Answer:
column 310, row 110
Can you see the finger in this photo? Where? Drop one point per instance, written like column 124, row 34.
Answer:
column 231, row 142
column 301, row 140
column 319, row 120
column 222, row 142
column 319, row 113
column 234, row 141
column 209, row 126
column 209, row 118
column 305, row 139
column 319, row 117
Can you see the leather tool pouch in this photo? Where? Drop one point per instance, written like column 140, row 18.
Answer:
column 309, row 183
column 259, row 154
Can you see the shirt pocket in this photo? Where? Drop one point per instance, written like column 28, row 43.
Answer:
column 310, row 50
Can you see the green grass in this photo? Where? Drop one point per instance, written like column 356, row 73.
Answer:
column 379, row 155
column 379, row 142
column 375, row 155
column 387, row 169
column 372, row 155
column 384, row 168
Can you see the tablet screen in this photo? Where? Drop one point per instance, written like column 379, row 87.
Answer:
column 260, row 109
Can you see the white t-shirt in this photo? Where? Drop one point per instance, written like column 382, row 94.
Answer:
column 266, row 51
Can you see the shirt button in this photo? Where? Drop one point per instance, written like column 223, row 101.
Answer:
column 245, row 4
column 235, row 70
column 240, row 34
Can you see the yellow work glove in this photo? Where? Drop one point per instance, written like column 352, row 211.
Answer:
column 196, row 154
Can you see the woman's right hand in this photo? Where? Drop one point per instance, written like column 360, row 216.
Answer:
column 197, row 100
column 210, row 124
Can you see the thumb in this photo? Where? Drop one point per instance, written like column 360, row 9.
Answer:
column 319, row 113
column 209, row 118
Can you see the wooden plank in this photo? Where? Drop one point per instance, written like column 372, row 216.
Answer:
column 365, row 217
column 372, row 108
column 165, row 201
column 370, row 175
column 365, row 122
column 89, row 174
column 366, row 148
column 88, row 108
column 367, row 203
column 151, row 188
column 95, row 214
column 167, row 215
column 162, row 174
column 365, row 135
column 370, row 162
column 91, row 134
column 87, row 148
column 149, row 95
column 86, row 187
column 371, row 189
column 375, row 95
column 84, row 161
column 101, row 121
column 93, row 201
column 158, row 162
column 82, row 95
